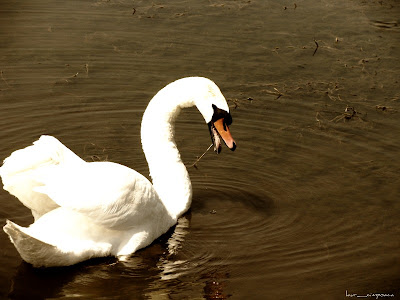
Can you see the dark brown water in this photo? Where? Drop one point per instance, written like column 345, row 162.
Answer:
column 306, row 208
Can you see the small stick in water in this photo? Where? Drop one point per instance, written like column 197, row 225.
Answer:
column 194, row 164
column 5, row 81
column 315, row 51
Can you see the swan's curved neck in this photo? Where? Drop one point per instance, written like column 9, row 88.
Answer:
column 169, row 175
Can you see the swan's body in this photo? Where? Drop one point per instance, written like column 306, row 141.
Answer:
column 84, row 210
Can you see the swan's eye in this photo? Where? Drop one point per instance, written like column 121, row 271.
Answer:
column 228, row 119
column 221, row 114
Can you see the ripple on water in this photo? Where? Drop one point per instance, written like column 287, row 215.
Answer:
column 253, row 232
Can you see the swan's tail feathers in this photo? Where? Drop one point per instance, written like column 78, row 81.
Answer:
column 31, row 249
column 21, row 171
column 43, row 254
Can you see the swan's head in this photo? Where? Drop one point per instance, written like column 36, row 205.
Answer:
column 186, row 92
column 219, row 129
column 215, row 110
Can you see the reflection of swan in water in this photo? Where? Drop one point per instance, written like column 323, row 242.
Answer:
column 84, row 210
column 173, row 267
column 169, row 267
column 215, row 286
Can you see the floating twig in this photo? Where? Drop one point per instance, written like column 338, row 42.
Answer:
column 73, row 76
column 194, row 164
column 277, row 93
column 5, row 81
column 317, row 119
column 95, row 157
column 134, row 11
column 235, row 102
column 87, row 69
column 67, row 79
column 315, row 51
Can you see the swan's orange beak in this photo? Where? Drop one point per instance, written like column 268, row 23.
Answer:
column 219, row 129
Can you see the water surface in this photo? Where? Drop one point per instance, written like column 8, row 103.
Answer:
column 305, row 208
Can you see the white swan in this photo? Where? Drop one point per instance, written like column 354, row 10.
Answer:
column 84, row 210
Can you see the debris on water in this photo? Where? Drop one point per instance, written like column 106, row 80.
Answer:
column 385, row 108
column 236, row 102
column 5, row 81
column 316, row 43
column 213, row 212
column 276, row 92
column 348, row 114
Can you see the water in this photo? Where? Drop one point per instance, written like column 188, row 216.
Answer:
column 305, row 208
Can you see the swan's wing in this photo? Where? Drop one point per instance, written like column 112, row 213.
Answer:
column 18, row 172
column 110, row 194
